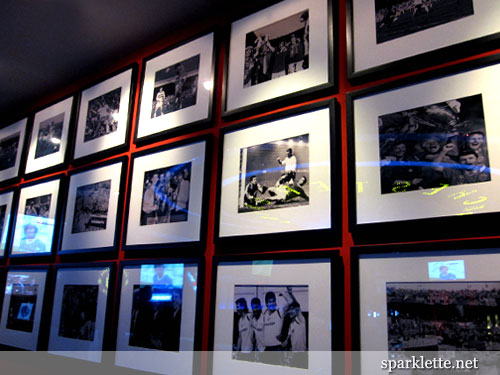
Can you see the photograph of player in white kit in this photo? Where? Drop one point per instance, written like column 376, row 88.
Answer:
column 274, row 175
column 271, row 324
column 276, row 50
column 398, row 18
column 91, row 207
column 49, row 136
column 101, row 115
column 176, row 87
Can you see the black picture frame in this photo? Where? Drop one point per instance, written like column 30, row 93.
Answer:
column 261, row 265
column 167, row 357
column 38, row 193
column 181, row 115
column 53, row 155
column 364, row 150
column 140, row 236
column 110, row 135
column 8, row 198
column 270, row 97
column 21, row 339
column 412, row 258
column 88, row 347
column 428, row 44
column 13, row 140
column 87, row 237
column 321, row 120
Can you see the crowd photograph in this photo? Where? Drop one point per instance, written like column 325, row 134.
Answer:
column 437, row 145
column 101, row 115
column 443, row 316
column 398, row 18
column 276, row 50
column 165, row 196
column 176, row 87
column 271, row 324
column 274, row 175
column 91, row 207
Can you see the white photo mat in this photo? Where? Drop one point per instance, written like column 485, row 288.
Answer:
column 315, row 215
column 368, row 54
column 76, row 348
column 7, row 132
column 35, row 164
column 45, row 226
column 96, row 238
column 174, row 232
column 238, row 96
column 116, row 138
column 5, row 199
column 376, row 271
column 158, row 361
column 18, row 338
column 374, row 207
column 313, row 273
column 200, row 111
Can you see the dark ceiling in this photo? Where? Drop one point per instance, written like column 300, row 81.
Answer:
column 47, row 45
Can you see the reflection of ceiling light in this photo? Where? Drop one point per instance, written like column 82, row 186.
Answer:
column 116, row 116
column 55, row 140
column 208, row 85
column 290, row 143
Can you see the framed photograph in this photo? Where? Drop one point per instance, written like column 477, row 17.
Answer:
column 389, row 36
column 49, row 136
column 424, row 298
column 35, row 223
column 93, row 207
column 279, row 53
column 165, row 205
column 11, row 150
column 277, row 177
column 7, row 200
column 158, row 305
column 271, row 312
column 104, row 115
column 78, row 323
column 23, row 302
column 424, row 152
column 177, row 89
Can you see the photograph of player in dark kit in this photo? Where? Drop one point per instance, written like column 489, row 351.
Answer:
column 271, row 324
column 101, row 115
column 176, row 87
column 432, row 146
column 91, row 207
column 277, row 50
column 274, row 175
column 49, row 136
column 398, row 18
column 78, row 312
column 436, row 316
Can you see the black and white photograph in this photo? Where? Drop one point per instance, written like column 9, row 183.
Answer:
column 278, row 49
column 156, row 317
column 3, row 221
column 437, row 145
column 270, row 324
column 8, row 151
column 443, row 316
column 165, row 196
column 102, row 115
column 78, row 312
column 274, row 175
column 176, row 87
column 38, row 206
column 49, row 136
column 36, row 212
column 91, row 207
column 398, row 18
column 22, row 307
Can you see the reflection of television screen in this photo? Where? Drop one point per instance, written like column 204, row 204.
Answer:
column 163, row 274
column 447, row 270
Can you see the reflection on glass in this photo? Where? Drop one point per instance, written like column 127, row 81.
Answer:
column 22, row 306
column 447, row 270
